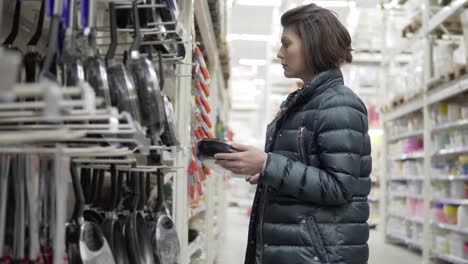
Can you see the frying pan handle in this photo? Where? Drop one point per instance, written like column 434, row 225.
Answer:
column 15, row 26
column 79, row 205
column 113, row 31
column 114, row 185
column 161, row 71
column 40, row 24
column 160, row 205
column 136, row 190
column 142, row 182
column 136, row 27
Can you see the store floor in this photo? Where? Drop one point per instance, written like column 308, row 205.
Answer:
column 236, row 238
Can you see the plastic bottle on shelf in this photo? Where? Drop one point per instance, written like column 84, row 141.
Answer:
column 438, row 213
column 451, row 213
column 456, row 245
column 442, row 113
column 453, row 112
column 441, row 243
column 463, row 165
column 457, row 189
column 462, row 216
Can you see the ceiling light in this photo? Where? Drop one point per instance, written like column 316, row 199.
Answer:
column 335, row 3
column 252, row 62
column 248, row 37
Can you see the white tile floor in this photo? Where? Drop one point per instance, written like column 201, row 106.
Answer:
column 236, row 238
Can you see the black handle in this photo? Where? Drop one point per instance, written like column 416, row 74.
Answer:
column 114, row 186
column 142, row 203
column 136, row 190
column 113, row 31
column 79, row 205
column 52, row 48
column 40, row 24
column 136, row 27
column 15, row 26
column 160, row 204
column 161, row 71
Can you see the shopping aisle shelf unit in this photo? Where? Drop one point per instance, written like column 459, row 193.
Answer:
column 425, row 162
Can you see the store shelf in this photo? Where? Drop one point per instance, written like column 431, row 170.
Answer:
column 452, row 228
column 406, row 135
column 197, row 211
column 406, row 178
column 450, row 178
column 448, row 258
column 451, row 151
column 406, row 241
column 448, row 90
column 414, row 155
column 433, row 23
column 406, row 195
column 404, row 109
column 406, row 218
column 451, row 125
column 451, row 201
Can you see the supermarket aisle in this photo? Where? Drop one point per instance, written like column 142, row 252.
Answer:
column 236, row 238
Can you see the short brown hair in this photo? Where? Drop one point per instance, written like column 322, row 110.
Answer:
column 326, row 42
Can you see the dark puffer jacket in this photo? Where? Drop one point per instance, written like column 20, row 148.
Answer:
column 311, row 203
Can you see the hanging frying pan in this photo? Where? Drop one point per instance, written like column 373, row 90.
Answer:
column 32, row 60
column 168, row 137
column 135, row 230
column 73, row 69
column 95, row 72
column 93, row 247
column 9, row 41
column 91, row 213
column 49, row 69
column 4, row 175
column 164, row 235
column 122, row 87
column 111, row 226
column 146, row 80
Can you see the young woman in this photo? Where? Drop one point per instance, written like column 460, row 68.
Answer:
column 313, row 177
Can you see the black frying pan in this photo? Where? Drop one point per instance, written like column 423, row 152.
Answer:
column 93, row 247
column 72, row 66
column 146, row 80
column 92, row 213
column 32, row 60
column 122, row 87
column 95, row 72
column 168, row 137
column 111, row 226
column 164, row 235
column 135, row 231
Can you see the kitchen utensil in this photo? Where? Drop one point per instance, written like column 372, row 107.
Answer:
column 146, row 80
column 73, row 68
column 135, row 230
column 111, row 226
column 93, row 247
column 91, row 212
column 32, row 191
column 168, row 137
column 121, row 84
column 4, row 177
column 95, row 72
column 32, row 60
column 164, row 235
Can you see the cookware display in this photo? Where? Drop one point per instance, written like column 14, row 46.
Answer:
column 56, row 211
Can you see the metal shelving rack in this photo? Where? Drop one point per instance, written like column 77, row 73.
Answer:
column 422, row 103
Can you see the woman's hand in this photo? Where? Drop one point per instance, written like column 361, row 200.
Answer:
column 248, row 161
column 253, row 179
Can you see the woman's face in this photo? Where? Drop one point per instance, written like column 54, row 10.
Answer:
column 292, row 56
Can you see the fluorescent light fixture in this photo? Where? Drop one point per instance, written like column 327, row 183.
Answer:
column 273, row 3
column 249, row 37
column 332, row 3
column 252, row 62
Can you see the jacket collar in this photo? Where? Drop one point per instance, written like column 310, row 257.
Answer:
column 316, row 86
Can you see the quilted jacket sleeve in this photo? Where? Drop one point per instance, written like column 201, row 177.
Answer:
column 341, row 137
